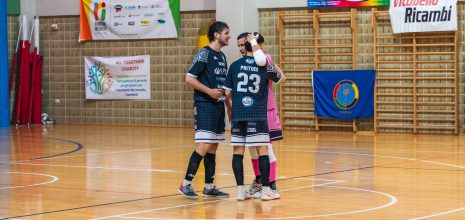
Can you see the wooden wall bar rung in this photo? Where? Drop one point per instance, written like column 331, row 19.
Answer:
column 394, row 94
column 435, row 53
column 296, row 93
column 436, row 111
column 394, row 111
column 297, row 86
column 298, row 109
column 336, row 46
column 297, row 38
column 393, row 45
column 394, row 78
column 296, row 70
column 299, row 55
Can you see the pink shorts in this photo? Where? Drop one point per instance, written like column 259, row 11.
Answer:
column 274, row 125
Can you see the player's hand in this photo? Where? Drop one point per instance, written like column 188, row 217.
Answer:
column 216, row 93
column 251, row 37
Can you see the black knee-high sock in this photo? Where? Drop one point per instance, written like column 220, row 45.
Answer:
column 194, row 163
column 264, row 165
column 210, row 164
column 258, row 178
column 238, row 168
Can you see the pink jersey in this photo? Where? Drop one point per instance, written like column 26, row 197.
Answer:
column 274, row 125
column 271, row 97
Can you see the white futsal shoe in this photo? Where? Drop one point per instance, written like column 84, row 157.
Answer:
column 266, row 193
column 242, row 194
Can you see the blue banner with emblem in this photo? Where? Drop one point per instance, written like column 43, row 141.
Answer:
column 344, row 94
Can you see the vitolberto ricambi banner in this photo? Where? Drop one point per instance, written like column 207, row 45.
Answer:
column 117, row 77
column 128, row 19
column 423, row 15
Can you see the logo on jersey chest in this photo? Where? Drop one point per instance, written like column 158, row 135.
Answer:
column 250, row 61
column 220, row 71
column 247, row 101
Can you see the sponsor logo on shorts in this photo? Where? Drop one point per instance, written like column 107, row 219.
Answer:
column 251, row 130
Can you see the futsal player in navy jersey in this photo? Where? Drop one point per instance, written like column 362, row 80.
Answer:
column 246, row 89
column 274, row 124
column 207, row 75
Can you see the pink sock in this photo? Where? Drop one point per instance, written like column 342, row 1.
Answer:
column 256, row 170
column 273, row 171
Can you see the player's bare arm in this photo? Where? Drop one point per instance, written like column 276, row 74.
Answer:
column 194, row 83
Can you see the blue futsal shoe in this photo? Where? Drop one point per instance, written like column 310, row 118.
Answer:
column 188, row 191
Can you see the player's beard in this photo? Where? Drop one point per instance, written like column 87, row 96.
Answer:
column 223, row 42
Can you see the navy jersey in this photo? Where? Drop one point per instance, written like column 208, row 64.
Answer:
column 210, row 68
column 248, row 83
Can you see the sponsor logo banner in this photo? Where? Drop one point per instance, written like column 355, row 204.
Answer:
column 128, row 19
column 117, row 77
column 423, row 15
column 345, row 3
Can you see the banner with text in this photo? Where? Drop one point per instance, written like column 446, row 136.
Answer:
column 129, row 19
column 423, row 15
column 117, row 77
column 344, row 93
column 345, row 3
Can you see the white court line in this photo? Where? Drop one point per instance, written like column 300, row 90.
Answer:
column 123, row 169
column 200, row 203
column 115, row 152
column 444, row 164
column 54, row 179
column 165, row 208
column 97, row 154
column 105, row 168
column 438, row 214
column 393, row 201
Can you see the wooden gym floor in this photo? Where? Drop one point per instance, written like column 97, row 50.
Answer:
column 115, row 172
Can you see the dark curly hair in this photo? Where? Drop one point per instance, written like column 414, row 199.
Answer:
column 216, row 27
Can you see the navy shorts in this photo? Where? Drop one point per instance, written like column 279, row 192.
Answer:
column 249, row 133
column 209, row 122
